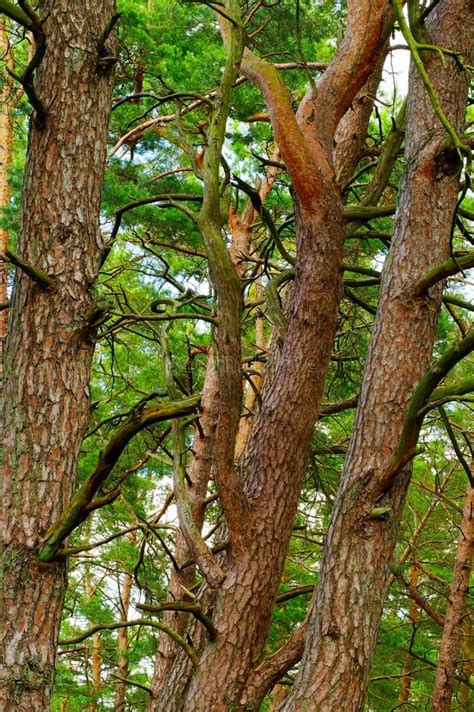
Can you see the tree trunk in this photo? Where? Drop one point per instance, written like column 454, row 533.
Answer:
column 456, row 610
column 182, row 580
column 122, row 668
column 96, row 657
column 467, row 647
column 274, row 461
column 50, row 341
column 348, row 603
column 413, row 615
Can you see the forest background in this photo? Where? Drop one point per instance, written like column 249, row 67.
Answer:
column 191, row 146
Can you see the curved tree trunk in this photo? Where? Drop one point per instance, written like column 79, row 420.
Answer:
column 50, row 340
column 348, row 603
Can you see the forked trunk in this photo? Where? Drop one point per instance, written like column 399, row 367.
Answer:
column 244, row 602
column 273, row 464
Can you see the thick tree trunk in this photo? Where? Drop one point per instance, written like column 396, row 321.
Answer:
column 244, row 603
column 467, row 647
column 348, row 603
column 456, row 610
column 50, row 343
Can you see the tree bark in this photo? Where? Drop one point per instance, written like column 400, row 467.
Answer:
column 456, row 610
column 347, row 605
column 260, row 506
column 50, row 340
column 465, row 696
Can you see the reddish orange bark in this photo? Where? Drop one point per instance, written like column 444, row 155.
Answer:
column 413, row 615
column 348, row 603
column 122, row 644
column 260, row 509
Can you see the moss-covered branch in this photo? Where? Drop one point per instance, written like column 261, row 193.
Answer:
column 188, row 649
column 37, row 275
column 127, row 681
column 226, row 282
column 459, row 453
column 458, row 301
column 444, row 270
column 26, row 79
column 208, row 565
column 15, row 13
column 185, row 607
column 406, row 448
column 82, row 502
column 388, row 156
column 445, row 394
column 275, row 309
column 415, row 49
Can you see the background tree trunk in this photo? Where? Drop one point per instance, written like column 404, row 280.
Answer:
column 413, row 615
column 50, row 341
column 456, row 610
column 181, row 581
column 96, row 656
column 348, row 603
column 122, row 644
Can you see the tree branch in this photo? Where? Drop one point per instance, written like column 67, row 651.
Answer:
column 16, row 14
column 132, row 682
column 445, row 269
column 79, row 507
column 37, row 275
column 208, row 565
column 447, row 393
column 226, row 282
column 188, row 649
column 421, row 600
column 406, row 448
column 186, row 608
column 271, row 670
